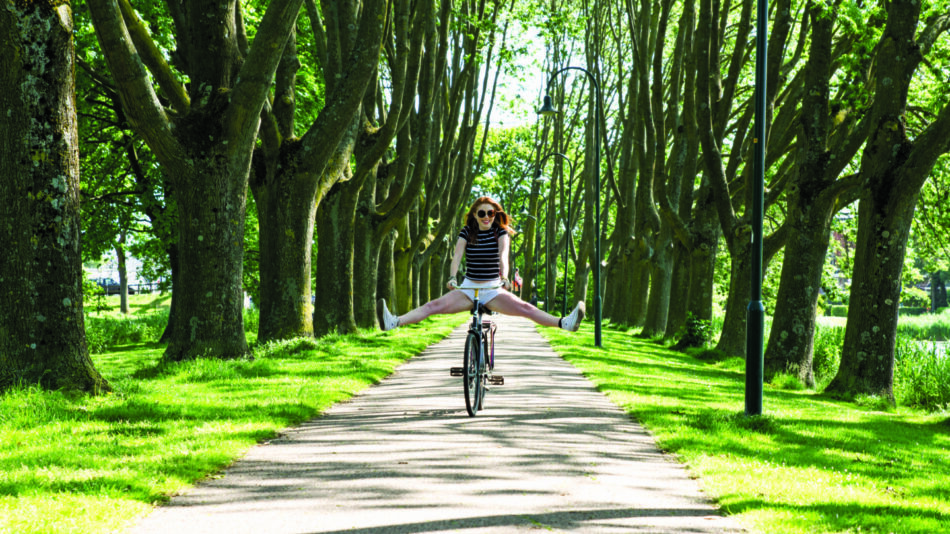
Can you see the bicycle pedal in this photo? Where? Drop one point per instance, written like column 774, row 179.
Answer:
column 457, row 371
column 497, row 380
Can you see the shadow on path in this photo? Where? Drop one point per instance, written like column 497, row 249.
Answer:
column 547, row 452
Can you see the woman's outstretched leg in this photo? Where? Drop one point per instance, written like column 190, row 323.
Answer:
column 452, row 302
column 508, row 304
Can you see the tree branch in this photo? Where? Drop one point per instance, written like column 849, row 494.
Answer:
column 153, row 59
column 254, row 79
column 139, row 101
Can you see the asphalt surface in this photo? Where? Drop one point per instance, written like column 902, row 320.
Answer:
column 548, row 453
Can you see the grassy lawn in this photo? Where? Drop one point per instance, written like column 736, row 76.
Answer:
column 76, row 464
column 809, row 464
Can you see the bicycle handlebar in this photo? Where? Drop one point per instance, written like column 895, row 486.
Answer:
column 499, row 286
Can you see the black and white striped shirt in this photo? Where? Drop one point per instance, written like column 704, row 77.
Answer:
column 482, row 260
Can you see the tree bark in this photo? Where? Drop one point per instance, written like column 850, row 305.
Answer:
column 813, row 198
column 335, row 220
column 123, row 274
column 893, row 169
column 286, row 216
column 205, row 147
column 295, row 175
column 42, row 335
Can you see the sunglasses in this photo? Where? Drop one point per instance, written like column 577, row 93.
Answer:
column 482, row 214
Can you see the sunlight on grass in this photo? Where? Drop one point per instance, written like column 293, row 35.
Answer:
column 95, row 464
column 809, row 464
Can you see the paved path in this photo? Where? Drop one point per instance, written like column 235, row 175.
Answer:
column 548, row 453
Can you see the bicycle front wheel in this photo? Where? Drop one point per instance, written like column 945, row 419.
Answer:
column 471, row 379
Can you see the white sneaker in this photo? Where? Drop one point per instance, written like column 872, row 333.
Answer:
column 387, row 321
column 573, row 321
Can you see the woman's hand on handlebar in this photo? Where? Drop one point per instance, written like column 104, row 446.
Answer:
column 452, row 283
column 505, row 283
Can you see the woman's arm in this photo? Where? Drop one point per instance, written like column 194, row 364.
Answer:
column 457, row 257
column 503, row 244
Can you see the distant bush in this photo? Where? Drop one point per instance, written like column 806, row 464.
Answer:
column 695, row 332
column 109, row 330
column 836, row 310
column 787, row 381
column 827, row 353
column 908, row 310
column 915, row 298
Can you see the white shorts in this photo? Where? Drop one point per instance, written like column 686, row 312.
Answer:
column 484, row 295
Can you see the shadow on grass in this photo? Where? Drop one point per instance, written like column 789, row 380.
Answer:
column 692, row 407
column 864, row 517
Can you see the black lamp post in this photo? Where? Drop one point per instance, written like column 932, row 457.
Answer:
column 548, row 109
column 567, row 228
column 755, row 314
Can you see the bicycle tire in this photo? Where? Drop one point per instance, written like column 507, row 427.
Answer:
column 471, row 375
column 483, row 376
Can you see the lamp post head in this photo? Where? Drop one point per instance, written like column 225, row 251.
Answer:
column 547, row 109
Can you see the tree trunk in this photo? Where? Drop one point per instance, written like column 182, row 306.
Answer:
column 366, row 257
column 661, row 278
column 679, row 290
column 205, row 146
column 42, row 336
column 812, row 200
column 286, row 212
column 732, row 339
column 167, row 334
column 385, row 271
column 893, row 169
column 417, row 281
column 705, row 233
column 867, row 357
column 791, row 341
column 402, row 260
column 210, row 295
column 123, row 275
column 335, row 220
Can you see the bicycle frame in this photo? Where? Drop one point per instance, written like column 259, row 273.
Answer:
column 476, row 377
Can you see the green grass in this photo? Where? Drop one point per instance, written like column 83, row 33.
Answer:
column 79, row 464
column 809, row 464
column 929, row 326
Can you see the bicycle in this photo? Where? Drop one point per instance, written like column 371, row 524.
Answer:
column 478, row 360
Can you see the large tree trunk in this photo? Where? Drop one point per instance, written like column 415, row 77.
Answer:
column 791, row 341
column 402, row 265
column 211, row 246
column 679, row 290
column 705, row 234
column 658, row 306
column 893, row 169
column 812, row 201
column 286, row 212
column 42, row 337
column 205, row 146
column 335, row 219
column 386, row 272
column 367, row 252
column 732, row 337
column 867, row 357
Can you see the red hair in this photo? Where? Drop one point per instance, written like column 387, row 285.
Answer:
column 501, row 220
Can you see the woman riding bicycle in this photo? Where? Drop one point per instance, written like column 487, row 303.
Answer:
column 484, row 241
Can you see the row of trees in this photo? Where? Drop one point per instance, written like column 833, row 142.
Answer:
column 363, row 125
